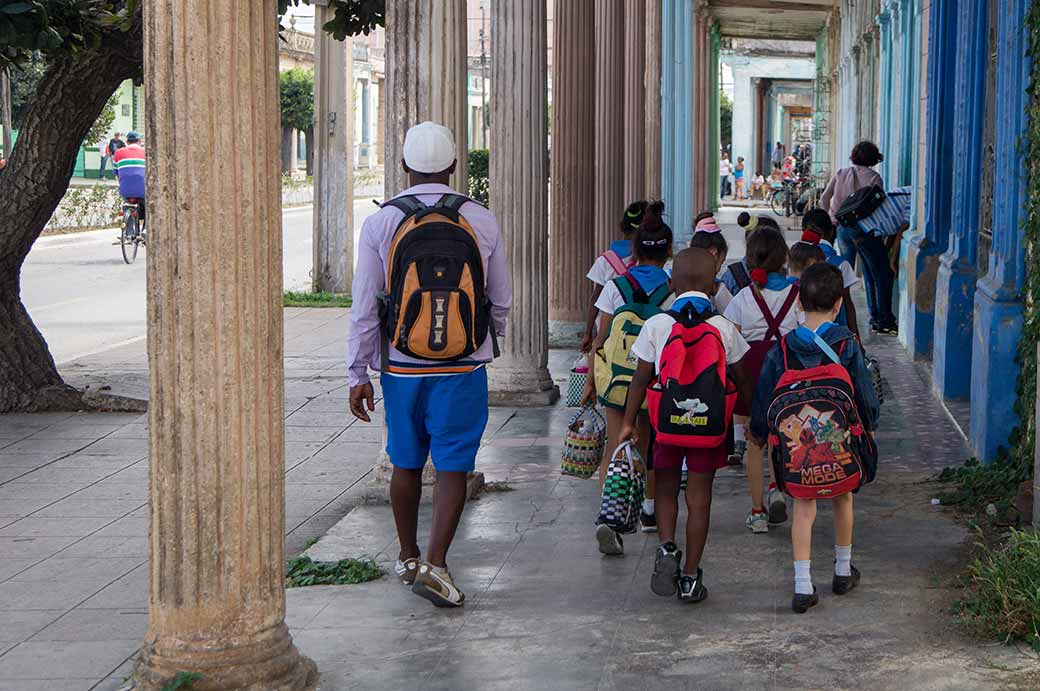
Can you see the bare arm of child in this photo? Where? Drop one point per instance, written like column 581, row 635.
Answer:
column 745, row 387
column 588, row 397
column 590, row 321
column 636, row 394
column 850, row 314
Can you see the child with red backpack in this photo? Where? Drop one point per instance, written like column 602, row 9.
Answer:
column 611, row 264
column 765, row 312
column 624, row 306
column 690, row 374
column 815, row 402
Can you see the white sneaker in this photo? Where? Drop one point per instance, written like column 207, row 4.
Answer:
column 757, row 522
column 406, row 570
column 777, row 506
column 609, row 541
column 437, row 586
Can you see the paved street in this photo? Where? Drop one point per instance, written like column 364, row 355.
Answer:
column 86, row 300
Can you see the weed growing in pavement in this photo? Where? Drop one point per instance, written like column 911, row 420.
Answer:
column 303, row 571
column 300, row 299
column 1003, row 597
column 182, row 682
column 975, row 485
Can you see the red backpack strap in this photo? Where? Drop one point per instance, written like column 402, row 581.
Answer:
column 615, row 261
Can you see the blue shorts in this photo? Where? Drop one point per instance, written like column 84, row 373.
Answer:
column 441, row 417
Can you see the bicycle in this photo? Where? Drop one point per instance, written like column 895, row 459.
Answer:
column 132, row 234
column 782, row 200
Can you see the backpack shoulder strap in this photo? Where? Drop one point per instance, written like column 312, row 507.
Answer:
column 408, row 205
column 740, row 274
column 615, row 261
column 660, row 294
column 627, row 286
column 453, row 202
column 774, row 322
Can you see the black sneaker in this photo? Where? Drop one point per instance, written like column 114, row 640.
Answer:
column 609, row 540
column 648, row 521
column 841, row 585
column 801, row 603
column 666, row 570
column 692, row 589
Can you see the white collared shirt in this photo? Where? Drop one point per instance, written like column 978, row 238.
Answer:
column 655, row 332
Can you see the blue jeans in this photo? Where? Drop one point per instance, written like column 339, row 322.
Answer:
column 878, row 277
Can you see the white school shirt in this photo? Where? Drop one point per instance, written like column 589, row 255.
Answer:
column 722, row 297
column 658, row 328
column 848, row 274
column 743, row 311
column 610, row 299
column 602, row 272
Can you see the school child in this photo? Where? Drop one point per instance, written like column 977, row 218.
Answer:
column 800, row 257
column 794, row 420
column 708, row 236
column 765, row 312
column 689, row 358
column 818, row 229
column 624, row 306
column 611, row 264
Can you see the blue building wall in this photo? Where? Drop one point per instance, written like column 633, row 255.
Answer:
column 677, row 17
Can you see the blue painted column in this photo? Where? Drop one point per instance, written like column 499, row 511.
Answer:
column 669, row 68
column 998, row 298
column 924, row 248
column 884, row 21
column 955, row 283
column 676, row 115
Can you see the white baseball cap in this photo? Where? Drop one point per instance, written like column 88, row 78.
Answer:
column 429, row 148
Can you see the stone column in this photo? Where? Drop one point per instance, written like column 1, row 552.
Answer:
column 573, row 169
column 294, row 153
column 333, row 240
column 425, row 78
column 610, row 118
column 519, row 190
column 698, row 153
column 652, row 83
column 634, row 100
column 217, row 495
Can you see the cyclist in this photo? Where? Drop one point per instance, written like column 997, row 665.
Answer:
column 129, row 163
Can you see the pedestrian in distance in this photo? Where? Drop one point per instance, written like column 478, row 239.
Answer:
column 432, row 360
column 765, row 312
column 818, row 229
column 821, row 444
column 690, row 398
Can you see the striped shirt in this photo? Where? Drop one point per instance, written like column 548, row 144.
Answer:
column 129, row 164
column 892, row 215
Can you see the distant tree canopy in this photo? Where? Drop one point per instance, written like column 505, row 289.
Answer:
column 352, row 17
column 726, row 129
column 297, row 98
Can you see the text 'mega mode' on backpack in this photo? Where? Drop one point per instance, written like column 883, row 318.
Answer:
column 435, row 306
column 615, row 365
column 820, row 448
column 860, row 204
column 691, row 400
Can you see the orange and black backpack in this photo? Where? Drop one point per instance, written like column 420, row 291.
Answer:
column 435, row 306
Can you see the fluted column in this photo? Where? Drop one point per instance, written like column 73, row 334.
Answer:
column 217, row 495
column 519, row 188
column 652, row 83
column 634, row 100
column 610, row 119
column 573, row 163
column 425, row 78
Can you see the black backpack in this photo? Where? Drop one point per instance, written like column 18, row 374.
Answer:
column 860, row 204
column 740, row 274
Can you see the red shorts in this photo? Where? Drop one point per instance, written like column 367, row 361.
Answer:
column 697, row 460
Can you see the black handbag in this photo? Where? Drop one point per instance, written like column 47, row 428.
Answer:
column 860, row 204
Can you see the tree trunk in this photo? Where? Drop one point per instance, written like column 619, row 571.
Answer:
column 287, row 135
column 309, row 141
column 71, row 95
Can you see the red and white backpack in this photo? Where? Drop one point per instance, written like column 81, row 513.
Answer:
column 691, row 400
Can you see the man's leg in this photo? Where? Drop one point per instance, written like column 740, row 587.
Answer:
column 875, row 257
column 449, row 499
column 408, row 446
column 405, row 494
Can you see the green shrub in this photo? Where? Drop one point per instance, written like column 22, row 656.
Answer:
column 323, row 299
column 303, row 571
column 478, row 175
column 1003, row 599
column 976, row 485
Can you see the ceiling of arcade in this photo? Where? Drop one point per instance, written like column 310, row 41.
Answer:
column 771, row 19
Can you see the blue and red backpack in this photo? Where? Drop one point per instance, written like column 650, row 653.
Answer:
column 820, row 448
column 692, row 398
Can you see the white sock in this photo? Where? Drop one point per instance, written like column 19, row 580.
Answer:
column 803, row 578
column 648, row 506
column 842, row 560
column 738, row 432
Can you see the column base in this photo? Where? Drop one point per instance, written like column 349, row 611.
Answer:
column 563, row 334
column 524, row 399
column 902, row 311
column 994, row 371
column 377, row 490
column 270, row 662
column 954, row 317
column 520, row 386
column 922, row 266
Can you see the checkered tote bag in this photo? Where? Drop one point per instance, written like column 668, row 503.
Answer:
column 623, row 490
column 583, row 444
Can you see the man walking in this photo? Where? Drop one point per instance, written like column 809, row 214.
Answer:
column 429, row 322
column 114, row 144
column 778, row 156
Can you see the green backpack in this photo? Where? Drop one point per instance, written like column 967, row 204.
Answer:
column 615, row 364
